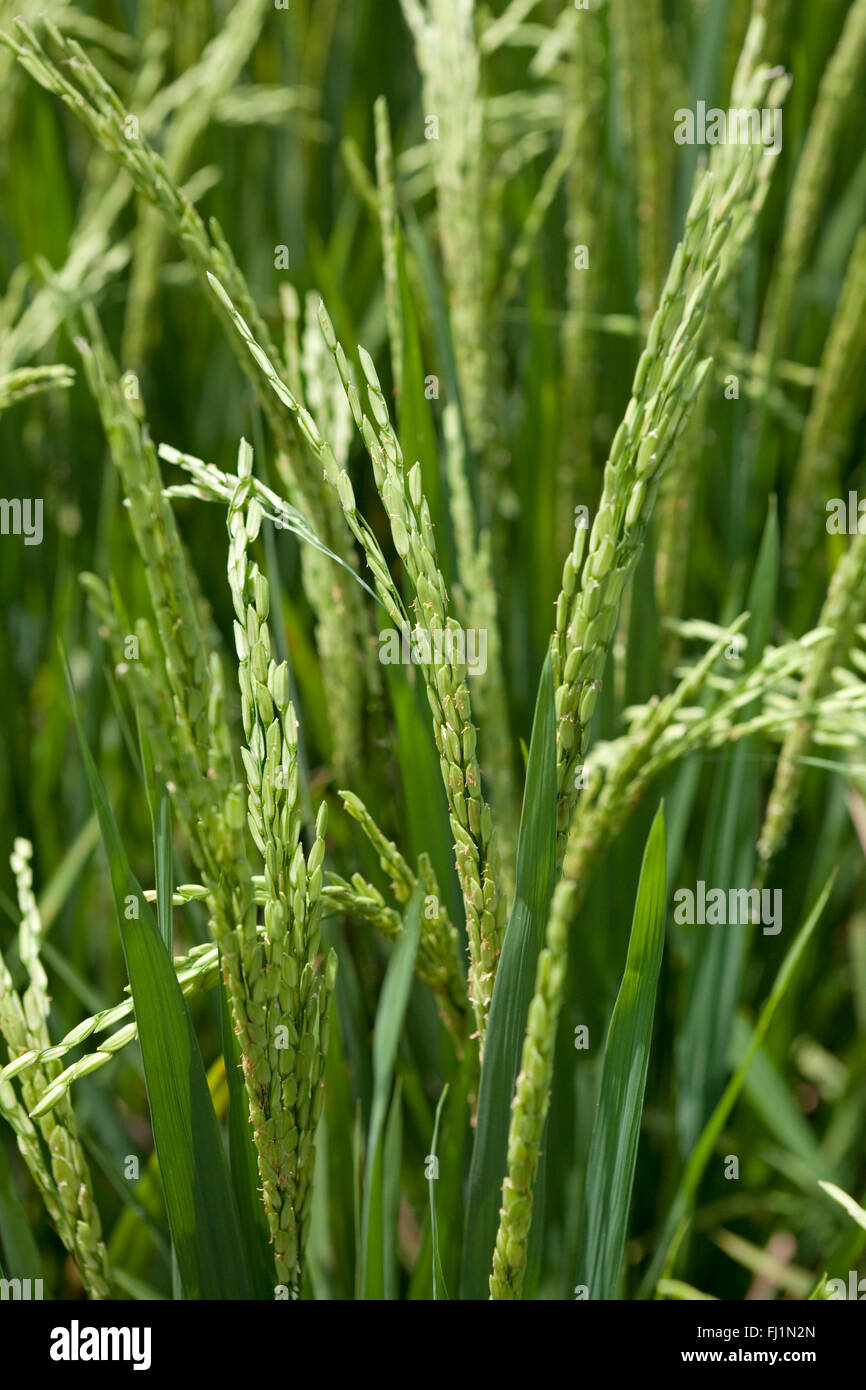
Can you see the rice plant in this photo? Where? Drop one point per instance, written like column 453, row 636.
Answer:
column 435, row 650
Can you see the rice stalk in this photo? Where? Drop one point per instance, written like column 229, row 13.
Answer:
column 832, row 413
column 529, row 1107
column 843, row 609
column 584, row 89
column 64, row 1179
column 199, row 971
column 287, row 985
column 667, row 383
column 712, row 248
column 437, row 960
column 387, row 205
column 639, row 32
column 616, row 778
column 501, row 142
column 811, row 181
column 200, row 753
column 478, row 607
column 29, row 381
column 343, row 633
column 445, row 678
column 448, row 58
column 675, row 512
column 203, row 86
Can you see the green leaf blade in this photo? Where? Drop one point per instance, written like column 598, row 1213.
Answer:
column 389, row 1023
column 613, row 1150
column 199, row 1200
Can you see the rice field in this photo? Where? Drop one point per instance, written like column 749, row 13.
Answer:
column 433, row 623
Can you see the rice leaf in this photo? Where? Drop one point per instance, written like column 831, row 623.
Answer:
column 389, row 1025
column 417, row 435
column 20, row 1253
column 199, row 1200
column 426, row 802
column 164, row 866
column 712, row 984
column 341, row 1183
column 675, row 1288
column 439, row 1289
column 680, row 1210
column 59, row 887
column 842, row 1257
column 391, row 1152
column 854, row 1209
column 613, row 1150
column 774, row 1102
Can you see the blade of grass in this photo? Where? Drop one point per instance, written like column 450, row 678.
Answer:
column 341, row 1185
column 392, row 1148
column 386, row 1038
column 21, row 1258
column 439, row 1289
column 426, row 803
column 613, row 1150
column 842, row 1258
column 679, row 1215
column 718, row 958
column 164, row 866
column 63, row 880
column 198, row 1196
column 451, row 1151
column 774, row 1103
column 675, row 1288
column 854, row 1209
column 417, row 435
